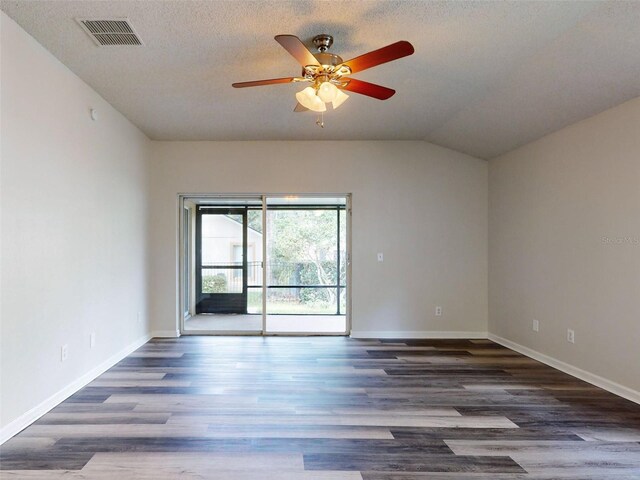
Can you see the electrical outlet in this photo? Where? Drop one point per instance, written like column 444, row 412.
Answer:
column 571, row 336
column 438, row 311
column 536, row 325
column 92, row 339
column 380, row 257
column 64, row 352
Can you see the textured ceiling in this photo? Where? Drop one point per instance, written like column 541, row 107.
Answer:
column 486, row 76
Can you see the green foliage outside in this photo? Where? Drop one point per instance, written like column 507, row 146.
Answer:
column 254, row 220
column 214, row 283
column 303, row 251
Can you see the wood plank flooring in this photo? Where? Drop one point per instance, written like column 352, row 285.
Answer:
column 327, row 408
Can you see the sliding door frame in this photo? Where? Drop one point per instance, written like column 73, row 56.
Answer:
column 347, row 260
column 184, row 201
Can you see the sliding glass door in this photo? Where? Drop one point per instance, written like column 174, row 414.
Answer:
column 264, row 265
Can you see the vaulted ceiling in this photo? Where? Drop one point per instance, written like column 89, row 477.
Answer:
column 486, row 77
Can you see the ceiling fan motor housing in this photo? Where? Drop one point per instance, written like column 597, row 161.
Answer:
column 323, row 42
column 328, row 59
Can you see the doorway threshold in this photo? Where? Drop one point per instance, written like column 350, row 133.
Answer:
column 276, row 324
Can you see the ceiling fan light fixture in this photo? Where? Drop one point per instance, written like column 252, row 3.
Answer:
column 340, row 98
column 308, row 99
column 327, row 92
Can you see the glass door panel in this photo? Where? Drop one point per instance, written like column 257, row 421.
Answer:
column 186, row 261
column 304, row 265
column 342, row 290
column 226, row 260
column 254, row 261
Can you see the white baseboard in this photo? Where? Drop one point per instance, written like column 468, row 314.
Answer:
column 598, row 381
column 165, row 333
column 27, row 418
column 416, row 334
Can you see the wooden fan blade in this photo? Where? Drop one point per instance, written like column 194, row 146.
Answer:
column 300, row 108
column 257, row 83
column 382, row 55
column 369, row 89
column 296, row 48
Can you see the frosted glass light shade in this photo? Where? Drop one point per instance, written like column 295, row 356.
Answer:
column 327, row 92
column 308, row 99
column 306, row 96
column 340, row 99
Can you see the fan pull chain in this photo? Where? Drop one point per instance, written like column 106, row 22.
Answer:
column 320, row 120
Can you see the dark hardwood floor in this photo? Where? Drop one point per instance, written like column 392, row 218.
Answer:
column 330, row 408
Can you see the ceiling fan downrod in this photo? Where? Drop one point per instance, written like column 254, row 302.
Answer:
column 323, row 42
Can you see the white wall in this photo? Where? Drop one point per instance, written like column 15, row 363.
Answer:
column 424, row 206
column 565, row 245
column 74, row 200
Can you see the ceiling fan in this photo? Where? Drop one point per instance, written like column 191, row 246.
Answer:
column 329, row 75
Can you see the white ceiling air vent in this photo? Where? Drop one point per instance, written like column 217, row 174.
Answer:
column 112, row 32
